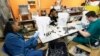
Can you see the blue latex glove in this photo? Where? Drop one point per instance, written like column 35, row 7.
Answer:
column 36, row 35
column 79, row 26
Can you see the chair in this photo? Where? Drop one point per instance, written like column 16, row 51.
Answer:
column 93, row 49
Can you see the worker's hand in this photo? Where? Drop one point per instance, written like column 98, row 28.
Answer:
column 45, row 47
column 39, row 41
column 80, row 31
column 78, row 27
column 36, row 34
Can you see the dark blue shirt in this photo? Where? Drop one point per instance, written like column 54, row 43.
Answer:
column 16, row 45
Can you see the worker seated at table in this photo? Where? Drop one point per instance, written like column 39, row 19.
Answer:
column 92, row 32
column 15, row 44
column 53, row 16
column 57, row 6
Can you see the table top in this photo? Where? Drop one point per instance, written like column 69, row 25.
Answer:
column 55, row 32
